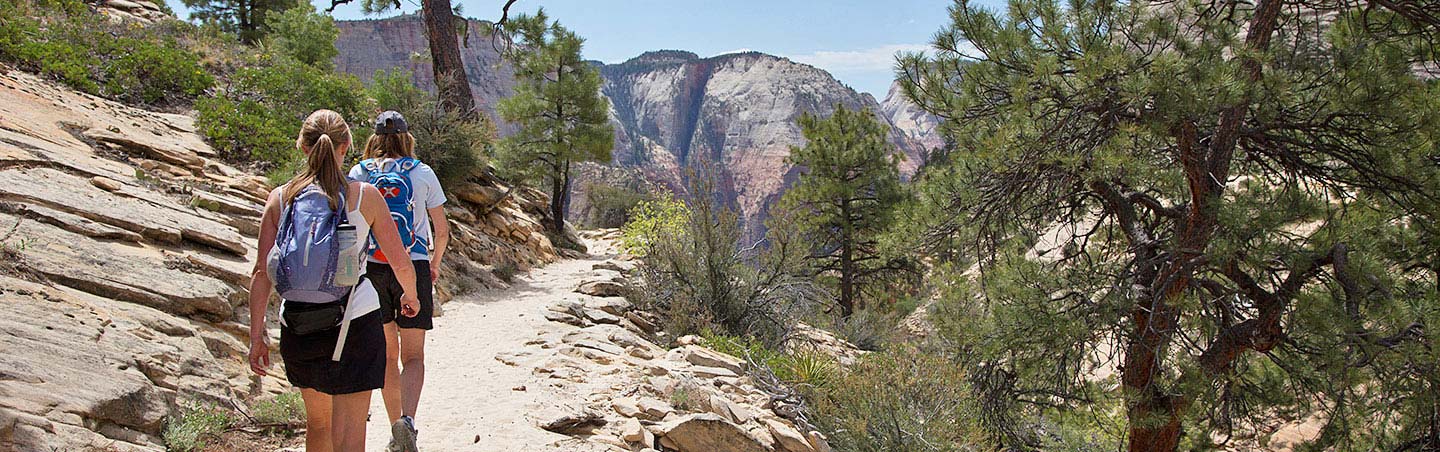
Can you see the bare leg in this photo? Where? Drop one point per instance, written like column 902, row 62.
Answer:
column 348, row 419
column 412, row 375
column 391, row 392
column 317, row 420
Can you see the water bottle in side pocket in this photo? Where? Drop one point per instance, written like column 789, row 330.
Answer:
column 347, row 265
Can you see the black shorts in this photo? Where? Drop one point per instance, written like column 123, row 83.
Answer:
column 361, row 366
column 390, row 291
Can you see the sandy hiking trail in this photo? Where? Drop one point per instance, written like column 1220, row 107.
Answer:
column 474, row 402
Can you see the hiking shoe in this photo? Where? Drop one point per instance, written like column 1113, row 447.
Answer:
column 402, row 436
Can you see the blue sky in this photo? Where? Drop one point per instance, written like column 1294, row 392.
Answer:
column 853, row 39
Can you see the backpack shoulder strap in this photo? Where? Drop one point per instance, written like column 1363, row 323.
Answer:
column 404, row 165
column 370, row 165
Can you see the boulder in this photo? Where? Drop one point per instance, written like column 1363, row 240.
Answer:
column 707, row 432
column 729, row 410
column 818, row 441
column 616, row 306
column 601, row 288
column 105, row 183
column 712, row 372
column 787, row 437
column 654, row 409
column 701, row 356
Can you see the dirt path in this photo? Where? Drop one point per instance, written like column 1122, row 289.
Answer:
column 474, row 402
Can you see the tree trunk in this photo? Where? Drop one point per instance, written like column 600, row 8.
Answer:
column 559, row 197
column 847, row 265
column 449, row 68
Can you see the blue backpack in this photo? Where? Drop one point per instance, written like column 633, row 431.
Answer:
column 307, row 250
column 393, row 181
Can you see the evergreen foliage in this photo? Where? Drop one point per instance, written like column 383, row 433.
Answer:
column 453, row 144
column 67, row 40
column 1232, row 205
column 247, row 19
column 302, row 34
column 844, row 196
column 563, row 119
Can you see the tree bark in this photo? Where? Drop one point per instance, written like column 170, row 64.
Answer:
column 847, row 265
column 449, row 69
column 1154, row 413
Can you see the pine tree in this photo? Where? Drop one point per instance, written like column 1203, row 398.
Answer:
column 443, row 30
column 557, row 104
column 847, row 188
column 245, row 18
column 1233, row 204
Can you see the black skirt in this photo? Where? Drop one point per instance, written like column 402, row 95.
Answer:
column 361, row 366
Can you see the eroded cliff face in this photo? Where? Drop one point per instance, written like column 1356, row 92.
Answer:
column 367, row 46
column 916, row 124
column 735, row 114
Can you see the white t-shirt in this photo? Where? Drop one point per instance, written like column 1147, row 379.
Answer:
column 426, row 193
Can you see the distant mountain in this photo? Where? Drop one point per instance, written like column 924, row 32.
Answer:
column 672, row 110
column 916, row 124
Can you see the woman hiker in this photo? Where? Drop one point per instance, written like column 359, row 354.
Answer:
column 332, row 339
column 413, row 193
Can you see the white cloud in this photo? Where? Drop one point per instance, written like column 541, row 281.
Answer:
column 873, row 59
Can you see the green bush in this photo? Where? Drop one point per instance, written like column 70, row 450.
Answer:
column 652, row 220
column 257, row 117
column 196, row 425
column 65, row 39
column 304, row 35
column 897, row 401
column 285, row 410
column 610, row 206
column 453, row 145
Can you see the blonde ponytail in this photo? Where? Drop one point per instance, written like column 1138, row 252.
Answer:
column 324, row 131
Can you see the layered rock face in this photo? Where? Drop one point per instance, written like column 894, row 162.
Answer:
column 125, row 253
column 916, row 124
column 367, row 46
column 735, row 115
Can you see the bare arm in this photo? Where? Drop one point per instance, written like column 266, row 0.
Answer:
column 442, row 238
column 261, row 285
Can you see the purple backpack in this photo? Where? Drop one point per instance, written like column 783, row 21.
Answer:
column 307, row 249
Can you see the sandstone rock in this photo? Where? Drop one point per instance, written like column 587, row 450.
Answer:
column 601, row 288
column 643, row 324
column 147, row 147
column 615, row 265
column 632, row 431
column 702, row 356
column 569, row 420
column 711, row 372
column 599, row 316
column 626, row 406
column 616, row 306
column 654, row 409
column 64, row 192
column 565, row 318
column 707, row 432
column 69, row 222
column 105, row 183
column 818, row 441
column 729, row 410
column 484, row 196
column 787, row 437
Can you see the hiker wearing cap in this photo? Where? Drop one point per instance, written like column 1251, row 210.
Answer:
column 312, row 239
column 414, row 196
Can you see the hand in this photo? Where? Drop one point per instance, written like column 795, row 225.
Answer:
column 260, row 356
column 434, row 272
column 409, row 305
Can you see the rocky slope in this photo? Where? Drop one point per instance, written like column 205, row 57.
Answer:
column 125, row 249
column 566, row 364
column 672, row 110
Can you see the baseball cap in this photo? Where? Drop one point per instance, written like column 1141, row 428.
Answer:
column 390, row 122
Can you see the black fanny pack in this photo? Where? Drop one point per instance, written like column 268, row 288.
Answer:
column 310, row 318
